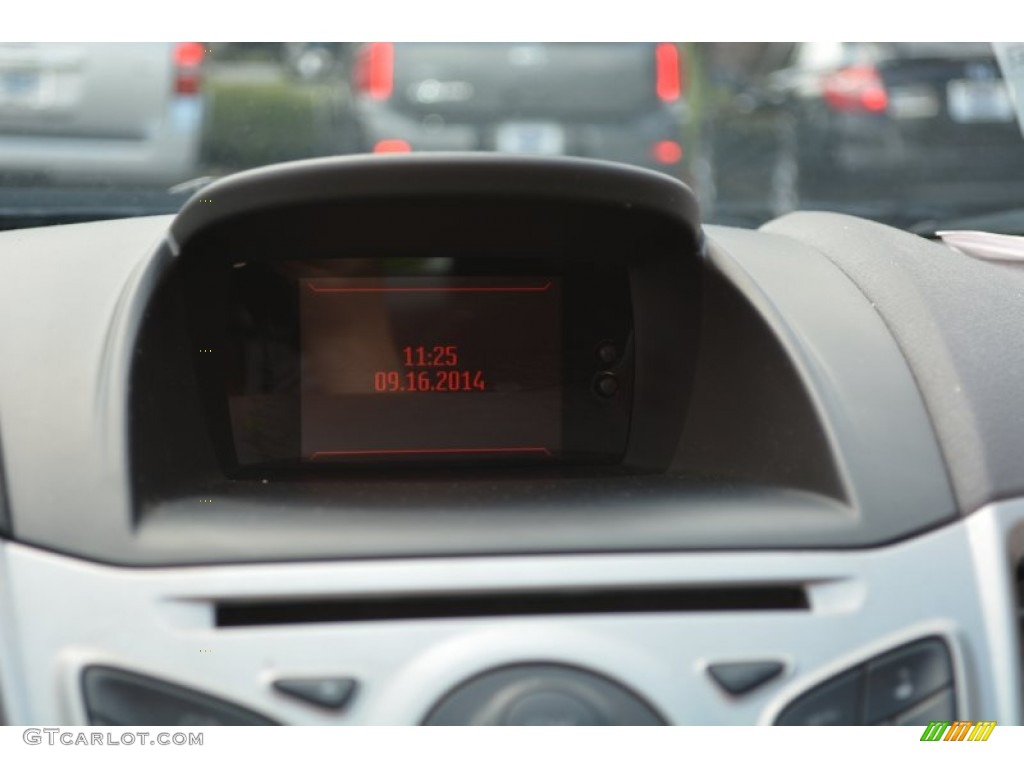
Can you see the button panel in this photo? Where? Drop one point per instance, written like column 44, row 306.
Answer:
column 114, row 697
column 542, row 694
column 905, row 677
column 941, row 706
column 836, row 702
column 905, row 686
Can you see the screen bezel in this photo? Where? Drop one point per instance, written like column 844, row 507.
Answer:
column 565, row 239
column 594, row 429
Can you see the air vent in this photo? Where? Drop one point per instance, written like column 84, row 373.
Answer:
column 454, row 605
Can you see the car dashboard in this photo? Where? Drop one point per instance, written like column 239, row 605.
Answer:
column 478, row 440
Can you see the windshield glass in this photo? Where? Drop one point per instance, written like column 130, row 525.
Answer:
column 911, row 134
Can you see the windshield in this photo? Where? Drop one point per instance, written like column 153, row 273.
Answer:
column 912, row 134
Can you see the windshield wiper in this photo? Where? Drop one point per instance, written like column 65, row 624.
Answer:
column 192, row 186
column 1009, row 221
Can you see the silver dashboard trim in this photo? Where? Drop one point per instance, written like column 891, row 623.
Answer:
column 956, row 582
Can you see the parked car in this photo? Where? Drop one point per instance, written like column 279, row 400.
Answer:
column 615, row 101
column 313, row 61
column 871, row 128
column 100, row 113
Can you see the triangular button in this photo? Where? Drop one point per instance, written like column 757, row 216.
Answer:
column 743, row 676
column 324, row 692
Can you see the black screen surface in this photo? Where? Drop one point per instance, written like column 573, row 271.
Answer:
column 456, row 359
column 430, row 367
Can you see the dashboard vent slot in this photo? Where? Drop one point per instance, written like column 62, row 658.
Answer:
column 457, row 605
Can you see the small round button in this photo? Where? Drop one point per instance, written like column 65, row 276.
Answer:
column 606, row 384
column 550, row 708
column 607, row 353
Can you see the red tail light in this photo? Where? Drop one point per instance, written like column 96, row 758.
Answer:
column 389, row 146
column 189, row 54
column 375, row 70
column 667, row 152
column 668, row 72
column 187, row 58
column 856, row 89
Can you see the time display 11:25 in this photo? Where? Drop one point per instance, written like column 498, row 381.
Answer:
column 440, row 375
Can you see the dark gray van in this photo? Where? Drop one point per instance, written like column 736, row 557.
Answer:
column 614, row 101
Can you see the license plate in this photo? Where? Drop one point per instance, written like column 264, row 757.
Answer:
column 531, row 138
column 979, row 101
column 20, row 87
column 913, row 103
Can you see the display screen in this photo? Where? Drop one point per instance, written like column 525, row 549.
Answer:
column 430, row 367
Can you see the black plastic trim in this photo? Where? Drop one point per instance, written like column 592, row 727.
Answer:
column 956, row 321
column 435, row 175
column 883, row 478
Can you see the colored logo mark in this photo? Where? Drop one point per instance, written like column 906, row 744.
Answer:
column 958, row 730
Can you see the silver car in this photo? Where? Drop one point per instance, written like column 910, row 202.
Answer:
column 100, row 113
